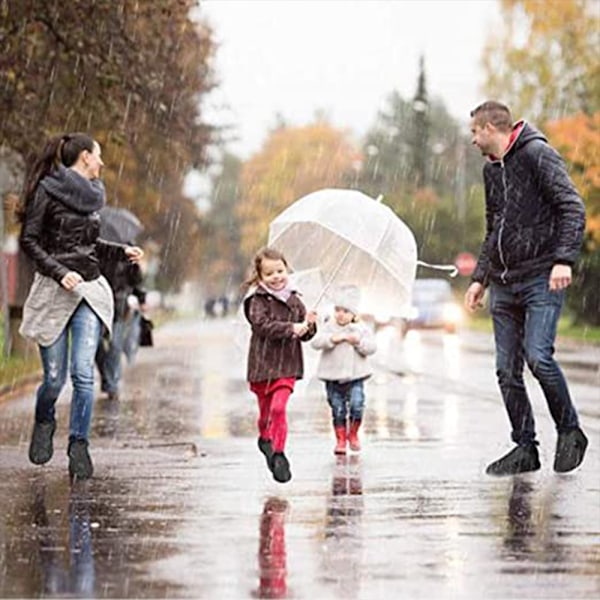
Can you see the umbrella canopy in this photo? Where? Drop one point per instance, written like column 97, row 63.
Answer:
column 119, row 225
column 353, row 240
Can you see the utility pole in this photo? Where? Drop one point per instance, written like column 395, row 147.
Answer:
column 420, row 141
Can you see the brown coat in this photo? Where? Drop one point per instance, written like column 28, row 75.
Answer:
column 274, row 349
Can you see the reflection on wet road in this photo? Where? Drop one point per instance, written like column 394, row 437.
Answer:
column 182, row 505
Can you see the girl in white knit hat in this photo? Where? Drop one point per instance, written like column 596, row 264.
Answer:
column 345, row 344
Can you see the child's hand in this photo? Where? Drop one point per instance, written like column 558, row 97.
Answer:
column 337, row 338
column 300, row 329
column 353, row 339
column 311, row 317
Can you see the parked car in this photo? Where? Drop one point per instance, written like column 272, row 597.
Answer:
column 434, row 306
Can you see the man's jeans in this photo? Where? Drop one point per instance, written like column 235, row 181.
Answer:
column 525, row 316
column 340, row 395
column 84, row 330
column 108, row 358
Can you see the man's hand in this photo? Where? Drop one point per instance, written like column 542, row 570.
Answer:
column 70, row 280
column 474, row 296
column 560, row 277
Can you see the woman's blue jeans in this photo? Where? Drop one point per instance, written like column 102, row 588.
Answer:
column 345, row 397
column 525, row 316
column 83, row 333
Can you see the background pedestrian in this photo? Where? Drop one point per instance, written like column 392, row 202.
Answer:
column 125, row 279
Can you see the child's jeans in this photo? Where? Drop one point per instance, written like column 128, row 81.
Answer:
column 342, row 394
column 273, row 397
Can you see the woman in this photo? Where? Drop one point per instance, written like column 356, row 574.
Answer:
column 69, row 302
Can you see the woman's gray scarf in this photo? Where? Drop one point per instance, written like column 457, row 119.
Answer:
column 75, row 191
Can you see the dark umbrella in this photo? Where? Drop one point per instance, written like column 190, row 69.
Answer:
column 119, row 225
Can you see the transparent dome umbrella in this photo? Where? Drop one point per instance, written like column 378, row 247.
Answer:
column 351, row 239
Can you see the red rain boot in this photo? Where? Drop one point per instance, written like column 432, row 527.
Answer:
column 340, row 435
column 353, row 436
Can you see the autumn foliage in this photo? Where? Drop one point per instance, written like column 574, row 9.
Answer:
column 130, row 73
column 293, row 162
column 578, row 137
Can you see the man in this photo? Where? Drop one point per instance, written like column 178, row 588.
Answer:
column 534, row 229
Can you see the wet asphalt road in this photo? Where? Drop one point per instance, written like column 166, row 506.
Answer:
column 182, row 505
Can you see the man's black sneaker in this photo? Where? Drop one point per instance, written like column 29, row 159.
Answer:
column 40, row 447
column 267, row 449
column 280, row 467
column 570, row 450
column 80, row 463
column 519, row 460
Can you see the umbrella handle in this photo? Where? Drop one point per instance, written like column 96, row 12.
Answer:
column 453, row 271
column 332, row 276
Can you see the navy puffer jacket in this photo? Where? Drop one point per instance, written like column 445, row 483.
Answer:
column 534, row 216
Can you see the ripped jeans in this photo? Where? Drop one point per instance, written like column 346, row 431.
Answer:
column 84, row 329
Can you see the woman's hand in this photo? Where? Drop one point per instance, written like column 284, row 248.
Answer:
column 134, row 253
column 70, row 280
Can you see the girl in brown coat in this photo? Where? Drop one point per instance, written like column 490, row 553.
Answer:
column 279, row 324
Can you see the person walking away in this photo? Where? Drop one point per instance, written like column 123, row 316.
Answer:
column 535, row 223
column 279, row 323
column 345, row 343
column 125, row 279
column 69, row 301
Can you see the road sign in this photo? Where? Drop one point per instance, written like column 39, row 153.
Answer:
column 465, row 263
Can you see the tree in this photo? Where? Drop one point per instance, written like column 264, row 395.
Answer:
column 543, row 58
column 294, row 161
column 578, row 138
column 419, row 136
column 447, row 215
column 131, row 73
column 222, row 260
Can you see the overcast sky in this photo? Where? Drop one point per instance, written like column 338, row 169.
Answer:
column 294, row 57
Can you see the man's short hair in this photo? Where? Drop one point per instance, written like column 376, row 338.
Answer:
column 493, row 112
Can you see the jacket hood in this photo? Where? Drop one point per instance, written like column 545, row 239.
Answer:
column 526, row 134
column 74, row 191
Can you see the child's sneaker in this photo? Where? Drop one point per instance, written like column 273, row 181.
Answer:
column 280, row 467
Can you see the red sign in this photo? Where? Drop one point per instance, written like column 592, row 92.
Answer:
column 465, row 263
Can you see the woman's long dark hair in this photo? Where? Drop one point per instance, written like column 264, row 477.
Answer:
column 63, row 149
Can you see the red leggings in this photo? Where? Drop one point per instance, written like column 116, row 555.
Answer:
column 272, row 402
